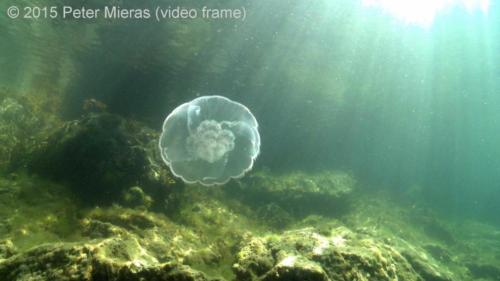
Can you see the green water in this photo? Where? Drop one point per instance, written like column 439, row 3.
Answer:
column 348, row 86
column 407, row 108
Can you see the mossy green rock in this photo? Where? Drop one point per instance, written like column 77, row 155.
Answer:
column 115, row 244
column 297, row 193
column 111, row 260
column 343, row 255
column 18, row 128
column 100, row 155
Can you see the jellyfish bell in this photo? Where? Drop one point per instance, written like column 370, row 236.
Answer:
column 210, row 140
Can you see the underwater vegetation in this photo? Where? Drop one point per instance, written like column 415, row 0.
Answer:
column 210, row 140
column 215, row 236
column 368, row 131
column 295, row 225
column 21, row 126
column 113, row 155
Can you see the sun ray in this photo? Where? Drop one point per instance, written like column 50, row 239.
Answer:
column 423, row 12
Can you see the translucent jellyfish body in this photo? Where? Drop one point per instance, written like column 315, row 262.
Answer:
column 210, row 140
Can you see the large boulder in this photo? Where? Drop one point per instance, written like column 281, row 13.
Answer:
column 18, row 129
column 100, row 156
column 109, row 260
column 342, row 255
column 296, row 193
column 114, row 244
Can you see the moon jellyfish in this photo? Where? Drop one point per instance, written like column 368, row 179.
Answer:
column 210, row 140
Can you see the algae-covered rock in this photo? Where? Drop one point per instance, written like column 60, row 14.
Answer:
column 153, row 236
column 7, row 249
column 100, row 156
column 486, row 271
column 296, row 268
column 18, row 126
column 49, row 262
column 115, row 244
column 438, row 252
column 35, row 211
column 46, row 236
column 425, row 268
column 135, row 197
column 297, row 193
column 109, row 260
column 304, row 254
column 254, row 259
column 274, row 215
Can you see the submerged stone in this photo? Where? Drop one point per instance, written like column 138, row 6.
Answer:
column 343, row 255
column 100, row 156
column 18, row 126
column 111, row 260
column 7, row 249
column 297, row 193
column 487, row 271
column 135, row 197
